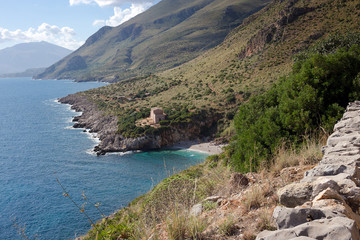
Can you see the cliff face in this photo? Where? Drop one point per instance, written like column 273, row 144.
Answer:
column 106, row 128
column 325, row 203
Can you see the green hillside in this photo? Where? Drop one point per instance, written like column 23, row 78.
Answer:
column 285, row 72
column 168, row 34
column 249, row 61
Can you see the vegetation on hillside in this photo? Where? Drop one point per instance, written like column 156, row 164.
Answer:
column 176, row 115
column 285, row 74
column 168, row 34
column 312, row 98
column 163, row 213
column 222, row 78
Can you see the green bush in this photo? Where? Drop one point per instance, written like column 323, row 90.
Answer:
column 314, row 95
column 164, row 122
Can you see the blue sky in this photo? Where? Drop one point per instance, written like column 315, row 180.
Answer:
column 67, row 23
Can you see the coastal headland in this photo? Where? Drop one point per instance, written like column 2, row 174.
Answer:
column 190, row 135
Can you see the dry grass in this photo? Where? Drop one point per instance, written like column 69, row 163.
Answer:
column 177, row 225
column 254, row 197
column 228, row 227
column 265, row 221
column 196, row 226
column 247, row 235
column 163, row 213
column 181, row 225
column 308, row 154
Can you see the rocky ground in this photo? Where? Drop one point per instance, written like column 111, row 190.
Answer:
column 301, row 202
column 325, row 203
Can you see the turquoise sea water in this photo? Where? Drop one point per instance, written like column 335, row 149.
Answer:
column 36, row 141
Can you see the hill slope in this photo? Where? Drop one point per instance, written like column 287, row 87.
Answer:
column 250, row 59
column 30, row 55
column 168, row 34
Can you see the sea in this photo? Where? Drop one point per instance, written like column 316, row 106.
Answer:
column 41, row 156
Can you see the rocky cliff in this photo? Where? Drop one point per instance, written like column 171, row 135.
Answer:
column 325, row 203
column 105, row 125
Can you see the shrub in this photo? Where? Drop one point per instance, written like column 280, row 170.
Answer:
column 313, row 96
column 164, row 122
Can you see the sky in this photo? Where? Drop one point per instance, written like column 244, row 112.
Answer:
column 67, row 23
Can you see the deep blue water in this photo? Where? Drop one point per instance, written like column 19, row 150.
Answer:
column 36, row 141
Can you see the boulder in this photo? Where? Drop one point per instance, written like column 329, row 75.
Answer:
column 326, row 169
column 346, row 160
column 323, row 183
column 292, row 217
column 295, row 194
column 338, row 137
column 196, row 210
column 341, row 228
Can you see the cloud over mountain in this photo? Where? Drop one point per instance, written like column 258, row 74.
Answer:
column 62, row 36
column 122, row 15
column 103, row 3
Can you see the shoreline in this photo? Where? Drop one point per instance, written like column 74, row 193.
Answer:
column 205, row 147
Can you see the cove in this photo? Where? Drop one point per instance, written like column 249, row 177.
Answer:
column 37, row 140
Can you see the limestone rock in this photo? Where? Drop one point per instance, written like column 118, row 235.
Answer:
column 303, row 238
column 295, row 194
column 326, row 169
column 196, row 210
column 323, row 183
column 327, row 199
column 341, row 228
column 292, row 217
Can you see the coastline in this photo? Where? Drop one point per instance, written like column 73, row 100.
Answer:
column 106, row 127
column 206, row 147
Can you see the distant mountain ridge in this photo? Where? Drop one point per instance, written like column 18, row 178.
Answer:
column 168, row 34
column 24, row 56
column 27, row 73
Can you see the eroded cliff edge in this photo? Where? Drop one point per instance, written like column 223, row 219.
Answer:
column 105, row 125
column 325, row 203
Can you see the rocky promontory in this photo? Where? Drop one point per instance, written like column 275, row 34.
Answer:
column 325, row 203
column 105, row 125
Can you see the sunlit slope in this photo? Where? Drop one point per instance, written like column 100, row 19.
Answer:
column 168, row 34
column 251, row 58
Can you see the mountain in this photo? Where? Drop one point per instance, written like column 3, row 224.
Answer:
column 24, row 56
column 251, row 60
column 168, row 34
column 248, row 62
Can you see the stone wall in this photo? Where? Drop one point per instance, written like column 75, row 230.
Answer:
column 325, row 203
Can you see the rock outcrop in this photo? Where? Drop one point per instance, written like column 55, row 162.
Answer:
column 106, row 127
column 273, row 32
column 325, row 203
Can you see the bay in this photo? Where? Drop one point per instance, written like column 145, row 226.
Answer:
column 38, row 144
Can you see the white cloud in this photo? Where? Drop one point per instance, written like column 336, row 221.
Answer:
column 122, row 15
column 99, row 23
column 103, row 3
column 45, row 32
column 77, row 2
